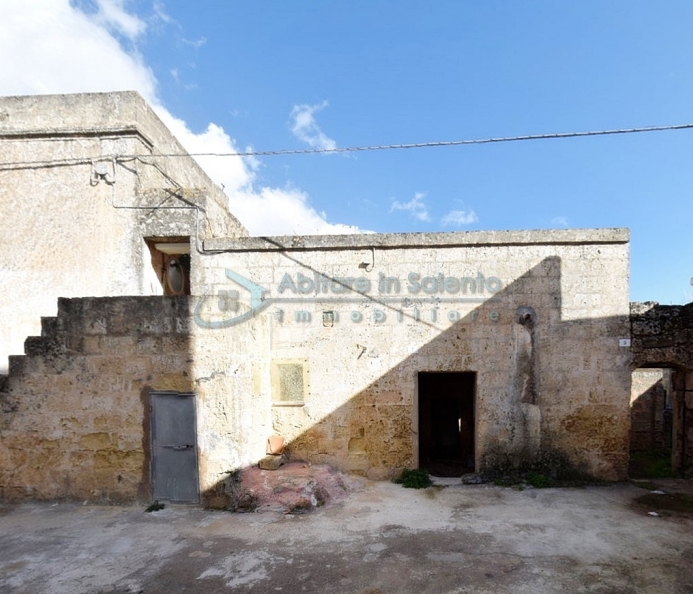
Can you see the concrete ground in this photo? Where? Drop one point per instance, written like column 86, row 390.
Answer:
column 381, row 538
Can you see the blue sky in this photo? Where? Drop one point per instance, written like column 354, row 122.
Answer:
column 229, row 75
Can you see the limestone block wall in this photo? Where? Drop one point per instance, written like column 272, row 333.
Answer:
column 537, row 316
column 323, row 340
column 68, row 231
column 74, row 411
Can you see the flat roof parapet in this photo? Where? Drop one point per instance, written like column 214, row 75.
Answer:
column 73, row 113
column 418, row 240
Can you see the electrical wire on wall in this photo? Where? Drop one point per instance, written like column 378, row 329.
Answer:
column 176, row 192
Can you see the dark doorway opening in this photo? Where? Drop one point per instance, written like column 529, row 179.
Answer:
column 446, row 422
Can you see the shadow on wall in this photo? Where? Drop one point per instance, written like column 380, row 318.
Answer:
column 663, row 338
column 651, row 423
column 509, row 384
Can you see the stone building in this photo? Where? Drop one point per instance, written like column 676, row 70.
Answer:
column 378, row 352
column 450, row 351
column 84, row 205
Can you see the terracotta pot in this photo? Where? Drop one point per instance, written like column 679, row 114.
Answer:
column 275, row 444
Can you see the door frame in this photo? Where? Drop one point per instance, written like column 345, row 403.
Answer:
column 153, row 394
column 416, row 416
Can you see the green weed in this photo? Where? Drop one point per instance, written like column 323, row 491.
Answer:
column 415, row 478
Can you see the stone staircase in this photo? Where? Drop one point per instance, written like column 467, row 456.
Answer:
column 48, row 346
column 74, row 407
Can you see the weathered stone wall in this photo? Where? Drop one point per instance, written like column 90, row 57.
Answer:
column 278, row 345
column 682, row 430
column 650, row 392
column 67, row 232
column 541, row 333
column 662, row 336
column 74, row 411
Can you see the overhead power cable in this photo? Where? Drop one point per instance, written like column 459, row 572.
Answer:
column 384, row 147
column 352, row 149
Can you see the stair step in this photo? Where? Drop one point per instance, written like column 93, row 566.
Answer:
column 36, row 346
column 49, row 326
column 16, row 364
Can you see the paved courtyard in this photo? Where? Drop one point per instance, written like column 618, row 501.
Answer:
column 380, row 539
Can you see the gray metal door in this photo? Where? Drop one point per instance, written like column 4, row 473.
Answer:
column 174, row 447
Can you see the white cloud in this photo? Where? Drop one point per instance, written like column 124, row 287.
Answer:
column 305, row 128
column 458, row 218
column 112, row 14
column 559, row 221
column 64, row 49
column 286, row 212
column 160, row 12
column 264, row 211
column 235, row 173
column 194, row 42
column 415, row 207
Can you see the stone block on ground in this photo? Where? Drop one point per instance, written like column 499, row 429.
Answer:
column 271, row 462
